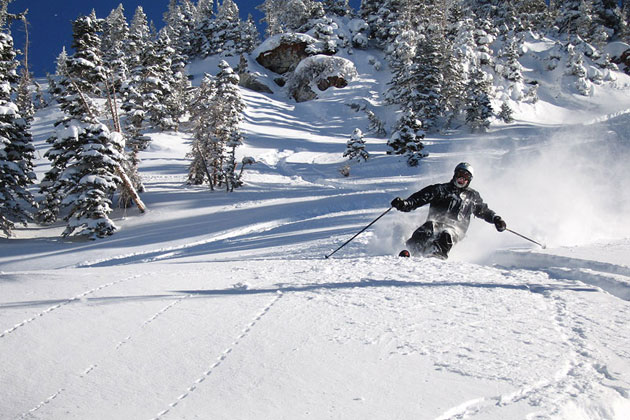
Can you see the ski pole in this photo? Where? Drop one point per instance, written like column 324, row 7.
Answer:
column 525, row 237
column 360, row 232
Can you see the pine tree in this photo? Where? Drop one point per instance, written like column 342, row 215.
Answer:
column 478, row 106
column 430, row 60
column 512, row 70
column 575, row 67
column 138, row 40
column 290, row 15
column 249, row 36
column 136, row 49
column 401, row 54
column 24, row 96
column 336, row 7
column 407, row 138
column 92, row 179
column 85, row 157
column 205, row 29
column 115, row 33
column 54, row 86
column 355, row 147
column 226, row 38
column 217, row 113
column 85, row 66
column 273, row 25
column 506, row 113
column 228, row 109
column 533, row 15
column 180, row 25
column 203, row 144
column 156, row 85
column 574, row 18
column 16, row 149
column 607, row 13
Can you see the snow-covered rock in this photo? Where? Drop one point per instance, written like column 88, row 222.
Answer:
column 320, row 72
column 282, row 53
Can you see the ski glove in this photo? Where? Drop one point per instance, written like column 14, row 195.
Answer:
column 499, row 223
column 398, row 203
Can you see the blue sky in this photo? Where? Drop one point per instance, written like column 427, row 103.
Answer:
column 50, row 23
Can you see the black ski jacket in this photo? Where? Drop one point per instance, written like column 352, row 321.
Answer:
column 450, row 205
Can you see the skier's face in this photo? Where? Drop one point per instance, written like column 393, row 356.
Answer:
column 462, row 178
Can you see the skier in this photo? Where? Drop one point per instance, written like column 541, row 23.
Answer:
column 451, row 205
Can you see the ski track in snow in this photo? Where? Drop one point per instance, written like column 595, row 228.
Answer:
column 94, row 366
column 66, row 302
column 580, row 379
column 221, row 357
column 613, row 278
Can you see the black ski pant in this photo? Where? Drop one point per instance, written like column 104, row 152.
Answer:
column 432, row 238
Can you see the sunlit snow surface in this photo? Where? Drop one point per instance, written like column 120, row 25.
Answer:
column 222, row 306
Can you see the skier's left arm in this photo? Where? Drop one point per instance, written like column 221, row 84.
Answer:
column 482, row 211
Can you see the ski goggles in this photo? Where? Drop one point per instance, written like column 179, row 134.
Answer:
column 463, row 174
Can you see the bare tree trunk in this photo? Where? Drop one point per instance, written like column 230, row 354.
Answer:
column 205, row 167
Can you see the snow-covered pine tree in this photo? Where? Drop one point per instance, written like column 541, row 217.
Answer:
column 85, row 66
column 355, row 147
column 228, row 111
column 429, row 65
column 138, row 43
column 50, row 185
column 84, row 159
column 506, row 113
column 84, row 155
column 478, row 107
column 156, row 85
column 203, row 144
column 573, row 17
column 290, row 15
column 92, row 180
column 336, row 7
column 24, row 95
column 419, row 59
column 81, row 72
column 114, row 46
column 115, row 33
column 180, row 25
column 16, row 149
column 249, row 36
column 407, row 138
column 271, row 17
column 382, row 18
column 205, row 29
column 575, row 67
column 54, row 87
column 228, row 31
column 217, row 113
column 607, row 18
column 368, row 11
column 532, row 15
column 458, row 48
column 401, row 53
column 512, row 68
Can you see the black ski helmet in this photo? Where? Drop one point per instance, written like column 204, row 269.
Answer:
column 463, row 167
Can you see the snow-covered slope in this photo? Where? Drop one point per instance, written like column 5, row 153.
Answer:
column 222, row 306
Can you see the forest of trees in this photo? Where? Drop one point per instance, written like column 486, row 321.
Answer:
column 450, row 60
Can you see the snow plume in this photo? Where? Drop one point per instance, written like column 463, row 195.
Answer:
column 565, row 191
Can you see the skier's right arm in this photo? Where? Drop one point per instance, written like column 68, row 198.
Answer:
column 418, row 199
